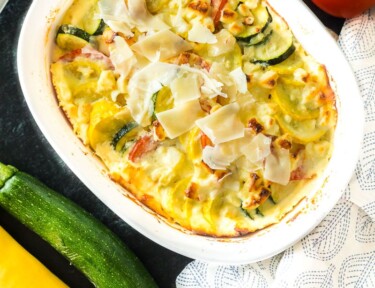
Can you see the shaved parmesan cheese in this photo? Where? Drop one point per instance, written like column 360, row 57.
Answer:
column 257, row 149
column 143, row 85
column 121, row 27
column 223, row 125
column 214, row 159
column 116, row 15
column 180, row 119
column 122, row 56
column 164, row 44
column 185, row 88
column 151, row 78
column 222, row 155
column 122, row 18
column 211, row 88
column 239, row 78
column 219, row 72
column 277, row 167
column 201, row 34
column 225, row 43
column 143, row 18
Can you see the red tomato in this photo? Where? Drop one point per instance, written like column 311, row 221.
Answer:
column 142, row 146
column 217, row 7
column 344, row 8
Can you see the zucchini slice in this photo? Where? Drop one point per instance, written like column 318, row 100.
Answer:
column 70, row 37
column 124, row 135
column 246, row 212
column 83, row 14
column 262, row 18
column 275, row 50
column 100, row 28
column 260, row 38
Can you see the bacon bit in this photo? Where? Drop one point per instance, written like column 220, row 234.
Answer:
column 192, row 192
column 229, row 14
column 253, row 178
column 217, row 8
column 285, row 144
column 205, row 105
column 193, row 60
column 205, row 141
column 183, row 58
column 158, row 130
column 255, row 126
column 297, row 174
column 204, row 64
column 264, row 194
column 144, row 145
column 71, row 55
column 300, row 174
column 200, row 6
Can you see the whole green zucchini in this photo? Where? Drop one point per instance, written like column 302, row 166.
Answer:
column 83, row 240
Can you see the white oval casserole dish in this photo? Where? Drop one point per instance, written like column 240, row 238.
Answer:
column 35, row 41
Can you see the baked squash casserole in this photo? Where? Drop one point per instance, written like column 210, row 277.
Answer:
column 208, row 111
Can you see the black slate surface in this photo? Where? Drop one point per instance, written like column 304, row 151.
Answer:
column 23, row 145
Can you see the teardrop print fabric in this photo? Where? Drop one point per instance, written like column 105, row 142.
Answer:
column 340, row 252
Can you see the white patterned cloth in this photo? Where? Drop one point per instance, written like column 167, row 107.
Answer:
column 340, row 252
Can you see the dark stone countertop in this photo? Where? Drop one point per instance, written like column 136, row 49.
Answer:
column 23, row 145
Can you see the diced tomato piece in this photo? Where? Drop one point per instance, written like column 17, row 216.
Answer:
column 144, row 145
column 298, row 174
column 205, row 141
column 87, row 52
column 217, row 8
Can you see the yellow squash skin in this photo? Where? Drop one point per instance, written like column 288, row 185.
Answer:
column 19, row 269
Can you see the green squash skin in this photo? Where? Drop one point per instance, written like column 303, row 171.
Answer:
column 84, row 241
